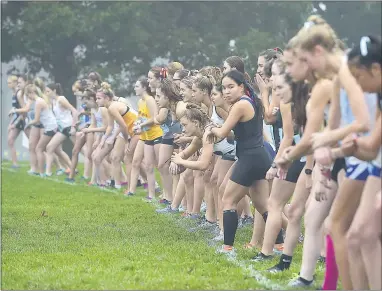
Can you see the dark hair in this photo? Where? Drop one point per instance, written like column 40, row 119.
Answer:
column 145, row 84
column 28, row 79
column 170, row 90
column 236, row 62
column 366, row 52
column 239, row 79
column 271, row 53
column 156, row 71
column 300, row 96
column 95, row 77
column 56, row 87
column 219, row 87
column 269, row 64
column 89, row 94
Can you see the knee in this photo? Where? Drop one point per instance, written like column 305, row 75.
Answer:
column 188, row 180
column 50, row 149
column 137, row 164
column 228, row 203
column 116, row 159
column 294, row 214
column 11, row 143
column 361, row 235
column 221, row 191
column 354, row 238
column 162, row 166
column 214, row 180
column 206, row 178
column 32, row 147
column 149, row 167
column 274, row 205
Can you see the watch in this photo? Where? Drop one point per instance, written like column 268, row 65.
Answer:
column 308, row 171
column 273, row 165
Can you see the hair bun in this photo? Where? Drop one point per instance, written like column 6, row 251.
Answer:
column 105, row 85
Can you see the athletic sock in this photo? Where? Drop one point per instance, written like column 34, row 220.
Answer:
column 331, row 272
column 230, row 222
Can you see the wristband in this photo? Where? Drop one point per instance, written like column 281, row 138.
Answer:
column 273, row 166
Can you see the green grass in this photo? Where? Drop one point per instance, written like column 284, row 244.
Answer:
column 93, row 239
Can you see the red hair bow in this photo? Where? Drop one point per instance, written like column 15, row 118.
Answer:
column 163, row 73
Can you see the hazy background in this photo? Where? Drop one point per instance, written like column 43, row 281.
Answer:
column 63, row 41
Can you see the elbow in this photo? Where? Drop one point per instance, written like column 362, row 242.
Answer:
column 203, row 166
column 363, row 126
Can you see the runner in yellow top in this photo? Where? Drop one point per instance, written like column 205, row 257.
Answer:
column 150, row 135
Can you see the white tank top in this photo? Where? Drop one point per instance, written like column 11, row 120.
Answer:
column 48, row 120
column 223, row 146
column 97, row 116
column 63, row 116
column 347, row 116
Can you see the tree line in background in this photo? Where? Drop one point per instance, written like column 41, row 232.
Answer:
column 121, row 39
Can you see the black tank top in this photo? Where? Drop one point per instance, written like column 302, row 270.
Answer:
column 249, row 134
column 15, row 101
column 380, row 101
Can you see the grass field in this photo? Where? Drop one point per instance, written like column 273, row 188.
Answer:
column 60, row 236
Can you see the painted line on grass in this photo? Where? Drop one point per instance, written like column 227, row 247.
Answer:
column 247, row 268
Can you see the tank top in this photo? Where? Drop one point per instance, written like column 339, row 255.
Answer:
column 15, row 101
column 31, row 112
column 148, row 132
column 63, row 116
column 170, row 127
column 130, row 116
column 347, row 116
column 249, row 134
column 97, row 116
column 48, row 120
column 224, row 146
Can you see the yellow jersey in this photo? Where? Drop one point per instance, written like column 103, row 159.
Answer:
column 148, row 132
column 130, row 117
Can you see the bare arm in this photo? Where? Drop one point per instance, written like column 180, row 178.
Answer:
column 93, row 127
column 235, row 115
column 193, row 147
column 153, row 110
column 358, row 107
column 161, row 116
column 204, row 160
